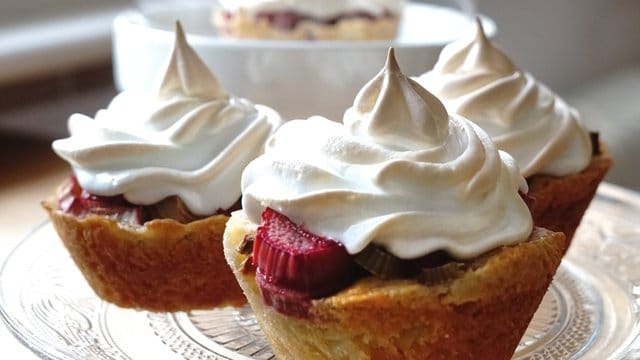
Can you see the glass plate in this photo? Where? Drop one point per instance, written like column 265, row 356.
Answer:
column 590, row 310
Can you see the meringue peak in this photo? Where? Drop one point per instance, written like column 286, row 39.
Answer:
column 187, row 74
column 475, row 79
column 473, row 53
column 394, row 110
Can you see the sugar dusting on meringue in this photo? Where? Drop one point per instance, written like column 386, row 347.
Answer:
column 475, row 79
column 399, row 172
column 190, row 138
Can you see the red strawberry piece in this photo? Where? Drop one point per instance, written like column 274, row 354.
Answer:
column 295, row 264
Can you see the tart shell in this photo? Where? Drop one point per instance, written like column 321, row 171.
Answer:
column 560, row 202
column 162, row 265
column 480, row 315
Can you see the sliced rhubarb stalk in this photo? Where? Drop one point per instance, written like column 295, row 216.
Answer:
column 285, row 300
column 381, row 263
column 72, row 199
column 441, row 274
column 293, row 258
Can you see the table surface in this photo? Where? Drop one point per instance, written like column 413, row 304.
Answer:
column 30, row 173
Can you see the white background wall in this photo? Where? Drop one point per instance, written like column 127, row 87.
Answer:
column 564, row 43
column 589, row 52
column 567, row 43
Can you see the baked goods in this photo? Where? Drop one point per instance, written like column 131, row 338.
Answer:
column 155, row 176
column 475, row 79
column 399, row 234
column 309, row 19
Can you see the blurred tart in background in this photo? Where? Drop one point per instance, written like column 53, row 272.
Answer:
column 309, row 19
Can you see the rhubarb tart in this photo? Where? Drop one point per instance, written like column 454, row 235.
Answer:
column 562, row 161
column 154, row 178
column 400, row 233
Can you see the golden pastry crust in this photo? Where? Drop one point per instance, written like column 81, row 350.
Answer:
column 560, row 202
column 161, row 266
column 480, row 315
column 243, row 26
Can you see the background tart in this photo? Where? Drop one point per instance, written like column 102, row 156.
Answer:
column 288, row 25
column 560, row 202
column 561, row 159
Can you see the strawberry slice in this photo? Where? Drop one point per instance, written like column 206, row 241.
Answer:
column 295, row 265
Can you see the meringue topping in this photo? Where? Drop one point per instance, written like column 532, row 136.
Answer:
column 189, row 138
column 399, row 172
column 187, row 74
column 475, row 79
column 420, row 117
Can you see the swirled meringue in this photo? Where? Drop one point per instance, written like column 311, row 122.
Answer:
column 399, row 172
column 477, row 80
column 190, row 139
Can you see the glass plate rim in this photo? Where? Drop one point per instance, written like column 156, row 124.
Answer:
column 19, row 331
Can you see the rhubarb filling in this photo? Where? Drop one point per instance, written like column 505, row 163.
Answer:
column 74, row 200
column 293, row 266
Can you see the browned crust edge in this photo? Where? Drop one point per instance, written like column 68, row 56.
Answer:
column 560, row 202
column 161, row 266
column 481, row 315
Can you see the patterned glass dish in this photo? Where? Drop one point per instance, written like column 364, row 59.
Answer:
column 590, row 311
